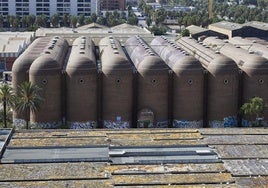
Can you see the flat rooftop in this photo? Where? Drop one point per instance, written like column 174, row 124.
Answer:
column 96, row 32
column 258, row 25
column 196, row 29
column 227, row 25
column 14, row 42
column 234, row 157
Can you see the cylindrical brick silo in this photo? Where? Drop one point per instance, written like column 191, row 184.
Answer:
column 152, row 84
column 221, row 83
column 20, row 72
column 46, row 72
column 81, row 85
column 254, row 70
column 117, row 88
column 188, row 83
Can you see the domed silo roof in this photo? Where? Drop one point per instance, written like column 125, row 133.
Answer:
column 82, row 57
column 24, row 61
column 222, row 65
column 43, row 64
column 212, row 60
column 251, row 46
column 112, row 56
column 143, row 56
column 250, row 63
column 176, row 58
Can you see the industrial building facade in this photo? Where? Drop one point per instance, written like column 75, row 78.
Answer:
column 49, row 7
column 163, row 84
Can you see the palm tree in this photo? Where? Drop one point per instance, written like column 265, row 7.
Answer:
column 28, row 99
column 8, row 98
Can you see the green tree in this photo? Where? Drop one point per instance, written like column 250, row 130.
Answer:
column 88, row 20
column 16, row 22
column 65, row 20
column 94, row 17
column 73, row 21
column 1, row 21
column 132, row 20
column 148, row 21
column 41, row 20
column 24, row 22
column 30, row 20
column 101, row 20
column 28, row 99
column 255, row 107
column 158, row 30
column 81, row 19
column 54, row 20
column 10, row 20
column 185, row 33
column 8, row 98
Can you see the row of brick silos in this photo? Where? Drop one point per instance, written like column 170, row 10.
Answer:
column 136, row 85
column 42, row 64
column 221, row 82
column 253, row 66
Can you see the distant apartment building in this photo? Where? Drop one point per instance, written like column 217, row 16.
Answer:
column 49, row 7
column 112, row 5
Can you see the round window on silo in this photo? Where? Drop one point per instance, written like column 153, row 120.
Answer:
column 153, row 81
column 118, row 81
column 44, row 81
column 81, row 81
column 225, row 81
column 261, row 81
column 190, row 81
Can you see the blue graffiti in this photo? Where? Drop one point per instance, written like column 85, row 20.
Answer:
column 230, row 121
column 245, row 123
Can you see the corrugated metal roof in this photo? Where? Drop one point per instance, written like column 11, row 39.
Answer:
column 244, row 153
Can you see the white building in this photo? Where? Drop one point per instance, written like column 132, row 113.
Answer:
column 49, row 7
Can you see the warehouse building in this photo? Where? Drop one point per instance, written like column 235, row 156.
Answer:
column 254, row 69
column 248, row 29
column 116, row 84
column 12, row 44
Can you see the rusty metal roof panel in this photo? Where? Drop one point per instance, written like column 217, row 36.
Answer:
column 242, row 151
column 235, row 139
column 159, row 179
column 57, row 133
column 247, row 167
column 165, row 168
column 38, row 142
column 228, row 185
column 59, row 183
column 249, row 182
column 157, row 136
column 48, row 171
column 234, row 131
column 149, row 142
